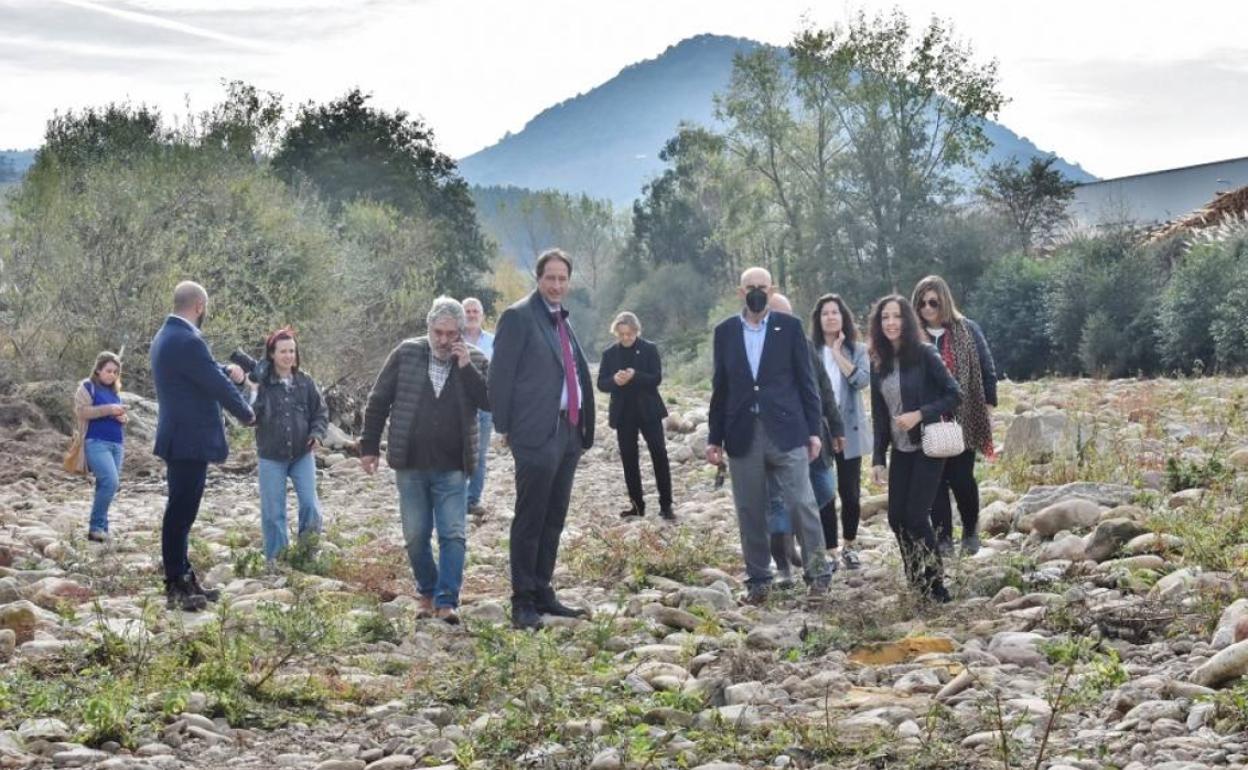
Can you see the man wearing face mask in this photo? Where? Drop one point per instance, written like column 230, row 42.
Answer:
column 191, row 388
column 765, row 416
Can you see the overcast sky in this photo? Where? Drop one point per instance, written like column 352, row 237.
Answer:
column 1119, row 87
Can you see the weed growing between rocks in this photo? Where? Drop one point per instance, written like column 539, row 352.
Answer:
column 622, row 554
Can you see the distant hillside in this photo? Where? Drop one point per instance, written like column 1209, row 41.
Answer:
column 606, row 142
column 14, row 163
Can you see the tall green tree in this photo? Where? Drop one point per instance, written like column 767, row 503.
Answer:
column 1034, row 200
column 351, row 151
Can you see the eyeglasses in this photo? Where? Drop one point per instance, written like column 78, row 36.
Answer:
column 933, row 303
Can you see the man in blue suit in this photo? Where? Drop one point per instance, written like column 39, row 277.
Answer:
column 765, row 415
column 191, row 388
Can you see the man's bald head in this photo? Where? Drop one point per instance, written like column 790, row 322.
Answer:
column 780, row 304
column 756, row 277
column 190, row 301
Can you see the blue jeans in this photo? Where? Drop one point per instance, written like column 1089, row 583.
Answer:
column 273, row 475
column 429, row 500
column 104, row 459
column 485, row 429
column 822, row 481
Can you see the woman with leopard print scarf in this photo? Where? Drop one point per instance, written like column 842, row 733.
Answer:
column 965, row 352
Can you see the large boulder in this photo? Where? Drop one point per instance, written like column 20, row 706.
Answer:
column 1041, row 435
column 1069, row 514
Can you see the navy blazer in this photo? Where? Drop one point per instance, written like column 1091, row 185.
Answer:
column 638, row 402
column 926, row 386
column 526, row 376
column 191, row 388
column 785, row 393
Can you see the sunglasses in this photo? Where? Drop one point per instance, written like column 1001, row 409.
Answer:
column 933, row 303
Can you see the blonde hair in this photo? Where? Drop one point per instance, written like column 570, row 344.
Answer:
column 105, row 358
column 626, row 318
column 948, row 311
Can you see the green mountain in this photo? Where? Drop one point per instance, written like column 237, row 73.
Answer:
column 606, row 142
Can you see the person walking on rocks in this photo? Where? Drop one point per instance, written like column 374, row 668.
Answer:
column 291, row 419
column 101, row 422
column 910, row 387
column 844, row 359
column 543, row 401
column 964, row 350
column 191, row 388
column 631, row 371
column 822, row 471
column 431, row 389
column 765, row 415
column 474, row 315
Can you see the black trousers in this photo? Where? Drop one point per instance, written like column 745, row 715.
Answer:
column 912, row 481
column 959, row 477
column 849, row 486
column 186, row 488
column 630, row 456
column 543, row 488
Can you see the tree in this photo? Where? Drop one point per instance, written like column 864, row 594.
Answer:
column 351, row 151
column 1033, row 200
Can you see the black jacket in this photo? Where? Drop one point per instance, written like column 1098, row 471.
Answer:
column 926, row 385
column 639, row 401
column 287, row 417
column 834, row 426
column 526, row 376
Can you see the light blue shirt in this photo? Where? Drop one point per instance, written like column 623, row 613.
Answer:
column 755, row 337
column 563, row 392
column 485, row 343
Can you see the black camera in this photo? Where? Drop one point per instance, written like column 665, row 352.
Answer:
column 255, row 370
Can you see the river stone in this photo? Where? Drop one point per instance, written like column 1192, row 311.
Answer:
column 1072, row 513
column 1227, row 666
column 44, row 729
column 1224, row 635
column 1111, row 535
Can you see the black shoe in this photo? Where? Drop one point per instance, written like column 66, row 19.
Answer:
column 524, row 616
column 970, row 545
column 178, row 596
column 559, row 610
column 939, row 594
column 666, row 514
column 97, row 536
column 209, row 594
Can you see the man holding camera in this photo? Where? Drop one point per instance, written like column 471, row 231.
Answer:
column 191, row 388
column 430, row 390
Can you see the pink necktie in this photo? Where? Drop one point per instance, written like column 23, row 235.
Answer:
column 569, row 370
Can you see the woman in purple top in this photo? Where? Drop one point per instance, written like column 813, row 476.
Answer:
column 101, row 418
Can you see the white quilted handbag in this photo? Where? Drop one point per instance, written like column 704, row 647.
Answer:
column 943, row 439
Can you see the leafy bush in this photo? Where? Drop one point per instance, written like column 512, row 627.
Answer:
column 1010, row 305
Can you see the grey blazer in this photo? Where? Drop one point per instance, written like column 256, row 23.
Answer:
column 858, row 442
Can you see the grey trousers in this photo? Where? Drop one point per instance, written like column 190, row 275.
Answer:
column 790, row 472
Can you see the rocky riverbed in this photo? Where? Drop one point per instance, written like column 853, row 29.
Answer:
column 1104, row 623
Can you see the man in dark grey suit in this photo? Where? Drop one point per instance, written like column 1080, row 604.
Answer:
column 543, row 403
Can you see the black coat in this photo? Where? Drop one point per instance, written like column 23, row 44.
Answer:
column 639, row 401
column 926, row 385
column 286, row 417
column 526, row 376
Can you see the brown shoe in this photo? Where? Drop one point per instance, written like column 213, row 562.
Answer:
column 447, row 615
column 424, row 606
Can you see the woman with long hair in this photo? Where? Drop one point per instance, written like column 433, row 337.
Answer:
column 291, row 419
column 964, row 350
column 101, row 422
column 835, row 337
column 631, row 372
column 910, row 388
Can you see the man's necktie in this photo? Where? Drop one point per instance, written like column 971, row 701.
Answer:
column 569, row 369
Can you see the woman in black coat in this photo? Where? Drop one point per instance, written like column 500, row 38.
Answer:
column 910, row 388
column 631, row 372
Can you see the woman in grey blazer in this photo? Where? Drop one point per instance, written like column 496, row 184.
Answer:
column 844, row 357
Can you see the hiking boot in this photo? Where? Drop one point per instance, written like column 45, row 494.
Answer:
column 424, row 606
column 209, row 594
column 756, row 595
column 819, row 587
column 548, row 604
column 447, row 615
column 178, row 596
